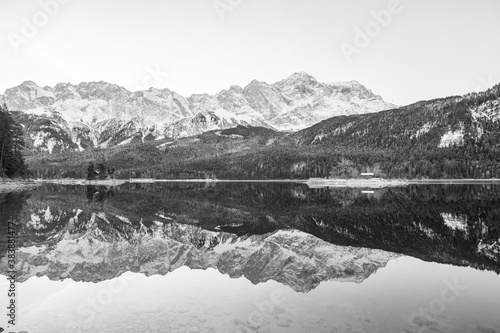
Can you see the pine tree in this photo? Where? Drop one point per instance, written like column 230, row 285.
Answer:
column 11, row 146
column 90, row 171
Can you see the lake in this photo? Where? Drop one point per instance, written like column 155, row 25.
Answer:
column 252, row 257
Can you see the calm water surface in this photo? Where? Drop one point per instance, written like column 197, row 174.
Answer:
column 254, row 258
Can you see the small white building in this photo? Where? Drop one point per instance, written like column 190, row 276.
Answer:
column 367, row 174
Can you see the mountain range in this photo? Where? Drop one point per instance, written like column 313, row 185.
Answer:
column 102, row 246
column 100, row 114
column 449, row 137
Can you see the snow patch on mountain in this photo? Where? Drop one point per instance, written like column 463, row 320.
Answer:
column 489, row 110
column 490, row 250
column 424, row 129
column 455, row 222
column 452, row 137
column 44, row 141
column 126, row 141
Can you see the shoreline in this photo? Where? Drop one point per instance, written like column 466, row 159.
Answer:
column 16, row 185
column 68, row 181
column 8, row 185
column 333, row 181
column 381, row 182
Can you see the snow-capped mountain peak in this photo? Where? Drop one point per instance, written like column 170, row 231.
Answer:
column 299, row 77
column 83, row 111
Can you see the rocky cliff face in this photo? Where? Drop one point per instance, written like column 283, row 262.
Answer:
column 102, row 246
column 97, row 114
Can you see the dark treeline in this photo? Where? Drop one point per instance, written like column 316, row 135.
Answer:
column 11, row 146
column 99, row 171
column 273, row 162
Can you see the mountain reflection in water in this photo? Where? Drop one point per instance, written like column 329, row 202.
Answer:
column 454, row 224
column 284, row 239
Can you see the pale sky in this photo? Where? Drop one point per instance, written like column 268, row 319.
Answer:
column 425, row 49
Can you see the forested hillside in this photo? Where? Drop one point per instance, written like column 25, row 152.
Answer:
column 454, row 137
column 209, row 155
column 443, row 138
column 11, row 146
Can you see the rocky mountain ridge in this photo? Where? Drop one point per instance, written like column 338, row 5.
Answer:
column 99, row 114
